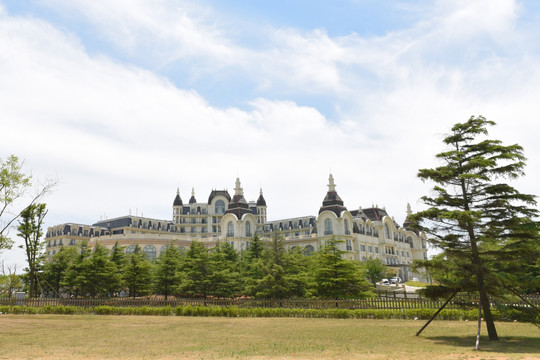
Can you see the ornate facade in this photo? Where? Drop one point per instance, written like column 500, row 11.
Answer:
column 368, row 232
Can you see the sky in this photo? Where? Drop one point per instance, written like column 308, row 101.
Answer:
column 124, row 101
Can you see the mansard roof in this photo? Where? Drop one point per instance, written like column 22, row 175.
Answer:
column 374, row 213
column 215, row 193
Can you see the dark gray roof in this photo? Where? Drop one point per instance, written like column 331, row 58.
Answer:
column 332, row 202
column 238, row 206
column 215, row 193
column 375, row 214
column 261, row 201
column 177, row 201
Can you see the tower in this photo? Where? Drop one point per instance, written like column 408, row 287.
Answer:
column 261, row 209
column 177, row 207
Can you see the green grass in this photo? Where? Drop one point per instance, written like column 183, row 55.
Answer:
column 171, row 337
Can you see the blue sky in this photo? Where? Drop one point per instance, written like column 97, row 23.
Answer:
column 126, row 100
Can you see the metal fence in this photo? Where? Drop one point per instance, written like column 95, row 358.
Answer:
column 372, row 303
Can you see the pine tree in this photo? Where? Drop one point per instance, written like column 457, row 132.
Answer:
column 98, row 274
column 117, row 256
column 54, row 271
column 138, row 273
column 197, row 271
column 481, row 224
column 335, row 277
column 73, row 282
column 167, row 271
column 224, row 276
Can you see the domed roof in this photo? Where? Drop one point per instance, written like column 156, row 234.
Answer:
column 177, row 200
column 238, row 204
column 332, row 201
column 215, row 193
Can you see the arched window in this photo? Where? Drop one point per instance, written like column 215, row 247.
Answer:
column 328, row 227
column 220, row 207
column 308, row 250
column 130, row 249
column 230, row 229
column 347, row 232
column 150, row 251
column 163, row 249
column 387, row 231
column 248, row 228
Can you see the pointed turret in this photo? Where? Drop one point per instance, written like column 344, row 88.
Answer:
column 177, row 199
column 192, row 199
column 260, row 200
column 332, row 201
column 261, row 208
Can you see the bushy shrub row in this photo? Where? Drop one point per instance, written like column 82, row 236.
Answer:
column 233, row 311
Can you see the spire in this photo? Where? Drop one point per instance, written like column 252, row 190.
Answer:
column 331, row 185
column 238, row 205
column 332, row 201
column 238, row 189
column 261, row 201
column 192, row 199
column 177, row 199
column 407, row 222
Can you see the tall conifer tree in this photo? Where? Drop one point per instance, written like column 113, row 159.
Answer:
column 479, row 222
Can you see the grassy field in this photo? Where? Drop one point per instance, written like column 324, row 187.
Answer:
column 171, row 337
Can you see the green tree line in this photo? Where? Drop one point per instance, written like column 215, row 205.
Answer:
column 265, row 270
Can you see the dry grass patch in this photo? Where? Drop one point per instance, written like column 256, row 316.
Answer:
column 146, row 337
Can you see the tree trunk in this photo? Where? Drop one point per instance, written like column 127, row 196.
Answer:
column 488, row 317
column 479, row 323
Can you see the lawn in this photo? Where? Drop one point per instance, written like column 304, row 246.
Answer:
column 171, row 337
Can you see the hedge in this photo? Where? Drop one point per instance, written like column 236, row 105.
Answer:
column 521, row 315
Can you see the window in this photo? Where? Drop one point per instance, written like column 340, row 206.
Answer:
column 150, row 252
column 328, row 227
column 387, row 231
column 376, row 250
column 220, row 207
column 248, row 228
column 347, row 232
column 370, row 249
column 362, row 247
column 230, row 229
column 130, row 249
column 308, row 250
column 349, row 244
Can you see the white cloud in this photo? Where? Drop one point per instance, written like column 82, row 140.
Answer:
column 122, row 137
